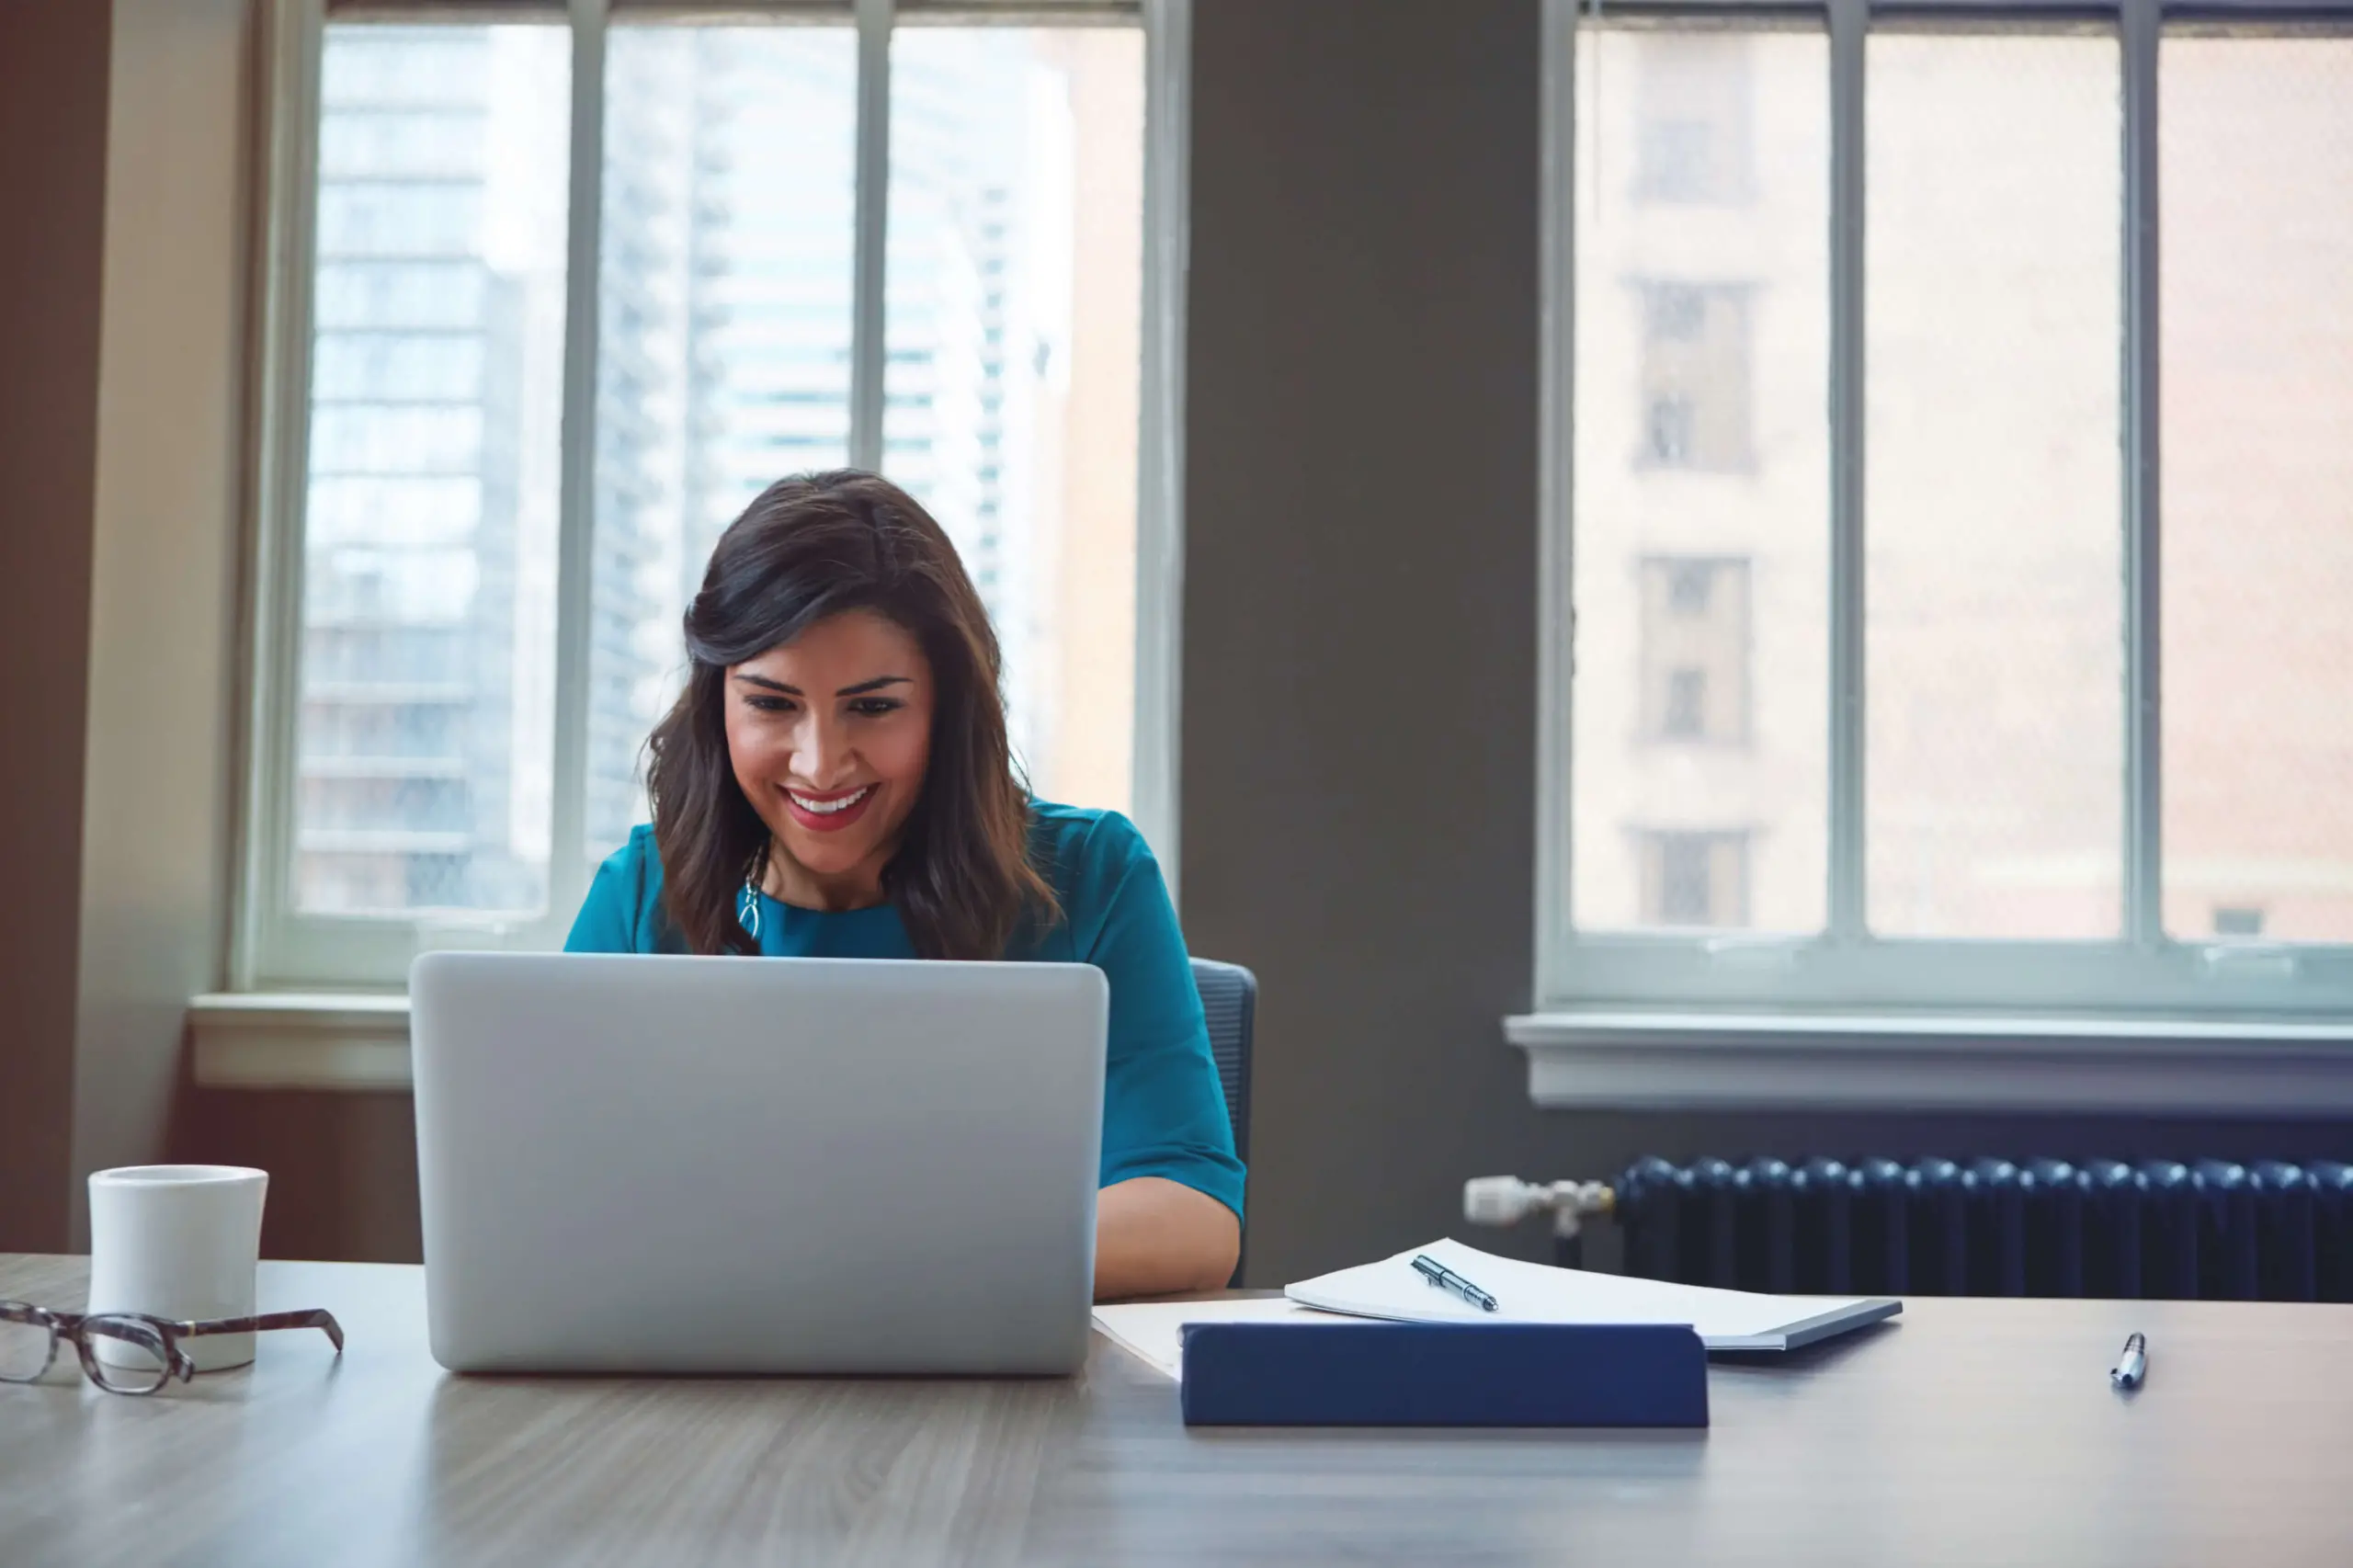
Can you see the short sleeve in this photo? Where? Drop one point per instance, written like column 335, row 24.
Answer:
column 1164, row 1109
column 609, row 920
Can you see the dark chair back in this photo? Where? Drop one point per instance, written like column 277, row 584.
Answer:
column 1229, row 1001
column 1230, row 998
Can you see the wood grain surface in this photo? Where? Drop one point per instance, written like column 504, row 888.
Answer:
column 1968, row 1432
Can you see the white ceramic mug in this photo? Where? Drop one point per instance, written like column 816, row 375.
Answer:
column 178, row 1242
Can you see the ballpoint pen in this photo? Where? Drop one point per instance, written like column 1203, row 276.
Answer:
column 1439, row 1274
column 2133, row 1365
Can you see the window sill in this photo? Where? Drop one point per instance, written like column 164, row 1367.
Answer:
column 301, row 1040
column 1634, row 1060
column 1620, row 1060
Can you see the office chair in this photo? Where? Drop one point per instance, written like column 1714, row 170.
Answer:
column 1230, row 999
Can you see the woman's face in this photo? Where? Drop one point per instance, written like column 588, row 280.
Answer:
column 829, row 735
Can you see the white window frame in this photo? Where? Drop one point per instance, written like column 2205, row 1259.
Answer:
column 1845, row 1018
column 276, row 947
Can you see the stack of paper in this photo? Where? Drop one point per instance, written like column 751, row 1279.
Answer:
column 1532, row 1292
column 1524, row 1292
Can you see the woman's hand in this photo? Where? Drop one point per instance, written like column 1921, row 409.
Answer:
column 1156, row 1237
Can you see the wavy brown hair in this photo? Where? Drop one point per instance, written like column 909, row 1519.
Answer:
column 810, row 547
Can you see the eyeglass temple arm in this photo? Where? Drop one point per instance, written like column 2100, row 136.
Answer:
column 316, row 1317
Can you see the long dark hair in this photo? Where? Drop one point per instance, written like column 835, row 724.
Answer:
column 815, row 546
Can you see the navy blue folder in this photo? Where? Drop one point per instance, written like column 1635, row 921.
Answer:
column 1399, row 1374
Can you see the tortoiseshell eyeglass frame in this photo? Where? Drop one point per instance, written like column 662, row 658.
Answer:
column 160, row 1336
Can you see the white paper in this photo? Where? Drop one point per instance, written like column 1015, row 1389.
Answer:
column 1535, row 1292
column 1151, row 1330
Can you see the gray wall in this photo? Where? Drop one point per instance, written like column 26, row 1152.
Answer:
column 1360, row 609
column 122, row 278
column 53, row 74
column 342, row 1166
column 168, row 511
column 1361, row 635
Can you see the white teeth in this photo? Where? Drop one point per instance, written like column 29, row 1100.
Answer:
column 827, row 807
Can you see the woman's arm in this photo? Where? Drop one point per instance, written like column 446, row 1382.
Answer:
column 1169, row 1214
column 1157, row 1237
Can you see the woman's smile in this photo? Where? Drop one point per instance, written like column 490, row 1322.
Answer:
column 829, row 812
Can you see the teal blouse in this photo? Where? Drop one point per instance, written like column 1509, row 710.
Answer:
column 1164, row 1110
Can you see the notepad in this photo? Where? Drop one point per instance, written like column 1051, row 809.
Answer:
column 1153, row 1331
column 1534, row 1292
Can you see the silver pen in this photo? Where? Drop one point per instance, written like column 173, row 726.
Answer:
column 2134, row 1365
column 1445, row 1278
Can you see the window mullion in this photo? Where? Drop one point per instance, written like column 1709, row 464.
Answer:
column 1160, row 444
column 868, row 357
column 2143, row 904
column 1556, row 538
column 576, row 498
column 1849, row 22
column 295, row 43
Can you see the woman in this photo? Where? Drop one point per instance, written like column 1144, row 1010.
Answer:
column 836, row 782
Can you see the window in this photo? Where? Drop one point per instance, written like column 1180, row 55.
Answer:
column 2255, row 153
column 1920, row 660
column 2239, row 921
column 1993, row 605
column 432, row 409
column 1692, row 134
column 1686, row 705
column 501, row 440
column 1689, row 585
column 1694, row 661
column 1695, row 376
column 1694, row 878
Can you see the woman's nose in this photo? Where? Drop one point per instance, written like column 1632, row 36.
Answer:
column 821, row 755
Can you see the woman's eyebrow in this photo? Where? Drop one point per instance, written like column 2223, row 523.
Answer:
column 876, row 684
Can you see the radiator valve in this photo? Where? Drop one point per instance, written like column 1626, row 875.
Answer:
column 1507, row 1200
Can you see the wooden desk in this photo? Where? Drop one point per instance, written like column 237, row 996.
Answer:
column 1971, row 1431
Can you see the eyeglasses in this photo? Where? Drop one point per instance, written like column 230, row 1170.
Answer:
column 125, row 1352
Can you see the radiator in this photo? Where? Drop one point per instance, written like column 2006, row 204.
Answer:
column 2157, row 1229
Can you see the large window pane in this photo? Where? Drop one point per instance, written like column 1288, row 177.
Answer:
column 1701, row 479
column 429, row 537
column 2257, row 174
column 1014, row 300
column 724, row 359
column 1993, row 564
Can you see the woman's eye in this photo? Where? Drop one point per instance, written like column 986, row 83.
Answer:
column 769, row 704
column 874, row 707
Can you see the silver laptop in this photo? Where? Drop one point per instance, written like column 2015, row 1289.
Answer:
column 689, row 1165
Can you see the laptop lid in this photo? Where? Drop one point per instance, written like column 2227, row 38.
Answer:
column 644, row 1164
